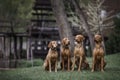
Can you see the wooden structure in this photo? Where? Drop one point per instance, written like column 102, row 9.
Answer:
column 11, row 43
column 42, row 29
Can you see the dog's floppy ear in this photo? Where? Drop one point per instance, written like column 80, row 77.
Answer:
column 63, row 41
column 50, row 44
column 80, row 37
column 98, row 37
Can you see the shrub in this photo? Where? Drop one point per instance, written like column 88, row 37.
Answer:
column 113, row 42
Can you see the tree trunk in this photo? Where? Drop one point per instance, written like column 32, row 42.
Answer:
column 62, row 22
column 84, row 22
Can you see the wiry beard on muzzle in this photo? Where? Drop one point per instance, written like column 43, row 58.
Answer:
column 66, row 46
column 54, row 48
column 97, row 41
column 79, row 41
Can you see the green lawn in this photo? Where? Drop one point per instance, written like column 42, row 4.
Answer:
column 112, row 72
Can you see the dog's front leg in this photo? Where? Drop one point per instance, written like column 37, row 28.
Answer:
column 68, row 63
column 93, row 65
column 56, row 66
column 73, row 66
column 49, row 65
column 80, row 63
column 102, row 64
column 63, row 63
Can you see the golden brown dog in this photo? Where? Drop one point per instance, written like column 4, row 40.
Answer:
column 65, row 54
column 50, row 62
column 98, row 54
column 79, row 54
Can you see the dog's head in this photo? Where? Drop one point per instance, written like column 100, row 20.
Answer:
column 79, row 38
column 65, row 41
column 98, row 38
column 52, row 45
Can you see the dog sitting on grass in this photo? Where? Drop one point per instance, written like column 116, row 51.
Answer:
column 65, row 55
column 98, row 54
column 51, row 60
column 79, row 54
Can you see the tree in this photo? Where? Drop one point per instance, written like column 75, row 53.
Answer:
column 13, row 10
column 83, row 19
column 98, row 18
column 62, row 21
column 113, row 42
column 94, row 16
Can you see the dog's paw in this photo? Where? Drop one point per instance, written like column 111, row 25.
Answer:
column 55, row 70
column 79, row 70
column 102, row 70
column 72, row 69
column 92, row 70
column 50, row 71
column 68, row 69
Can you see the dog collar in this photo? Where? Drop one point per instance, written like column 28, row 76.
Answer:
column 79, row 45
column 66, row 46
column 55, row 49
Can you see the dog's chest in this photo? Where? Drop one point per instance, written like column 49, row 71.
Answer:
column 79, row 48
column 65, row 52
column 54, row 55
column 99, row 51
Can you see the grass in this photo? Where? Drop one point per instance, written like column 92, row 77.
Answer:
column 112, row 72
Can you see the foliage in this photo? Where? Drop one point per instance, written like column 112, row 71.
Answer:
column 113, row 43
column 98, row 18
column 14, row 9
column 38, row 73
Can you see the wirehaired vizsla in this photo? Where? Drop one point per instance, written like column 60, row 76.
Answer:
column 79, row 54
column 65, row 54
column 98, row 54
column 51, row 60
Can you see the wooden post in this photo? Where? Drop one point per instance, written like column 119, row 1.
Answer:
column 15, row 47
column 10, row 45
column 20, row 47
column 4, row 43
column 15, row 51
column 28, row 49
column 1, row 46
column 7, row 52
column 21, row 44
column 31, row 51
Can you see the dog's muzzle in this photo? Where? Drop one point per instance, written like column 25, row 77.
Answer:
column 54, row 48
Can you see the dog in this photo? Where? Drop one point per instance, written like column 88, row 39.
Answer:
column 51, row 60
column 98, row 54
column 79, row 54
column 65, row 54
